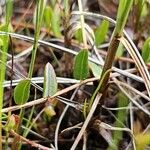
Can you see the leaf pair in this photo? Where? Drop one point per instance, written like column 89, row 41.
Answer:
column 22, row 90
column 81, row 66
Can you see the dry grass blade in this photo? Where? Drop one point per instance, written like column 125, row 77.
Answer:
column 132, row 99
column 42, row 100
column 61, row 118
column 135, row 53
column 26, row 38
column 104, row 133
column 109, row 127
column 85, row 124
column 130, row 88
column 139, row 63
column 30, row 142
column 77, row 126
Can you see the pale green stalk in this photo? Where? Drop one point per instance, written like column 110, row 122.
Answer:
column 39, row 16
column 3, row 58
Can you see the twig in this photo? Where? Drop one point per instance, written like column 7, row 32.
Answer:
column 77, row 126
column 29, row 141
column 84, row 141
column 42, row 100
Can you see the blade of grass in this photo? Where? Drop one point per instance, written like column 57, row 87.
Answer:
column 3, row 58
column 85, row 124
column 82, row 24
column 139, row 63
column 39, row 16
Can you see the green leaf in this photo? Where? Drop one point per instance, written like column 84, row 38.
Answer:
column 81, row 69
column 146, row 51
column 101, row 32
column 144, row 10
column 48, row 16
column 96, row 70
column 9, row 10
column 122, row 14
column 121, row 7
column 78, row 35
column 22, row 92
column 50, row 81
column 119, row 52
column 55, row 22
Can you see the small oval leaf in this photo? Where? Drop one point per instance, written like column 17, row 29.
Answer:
column 146, row 51
column 101, row 32
column 96, row 70
column 50, row 81
column 81, row 69
column 22, row 92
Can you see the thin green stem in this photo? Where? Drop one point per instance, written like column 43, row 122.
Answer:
column 3, row 58
column 39, row 17
column 36, row 37
column 11, row 89
column 25, row 133
column 82, row 24
column 97, row 89
column 27, row 125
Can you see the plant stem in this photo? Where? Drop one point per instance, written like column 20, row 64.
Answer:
column 108, row 62
column 121, row 21
column 11, row 89
column 2, row 78
column 82, row 24
column 3, row 58
column 39, row 15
